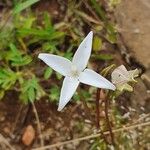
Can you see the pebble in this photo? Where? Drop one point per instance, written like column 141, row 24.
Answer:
column 28, row 135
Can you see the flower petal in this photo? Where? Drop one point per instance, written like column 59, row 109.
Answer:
column 120, row 75
column 59, row 64
column 133, row 74
column 126, row 87
column 68, row 89
column 90, row 77
column 83, row 53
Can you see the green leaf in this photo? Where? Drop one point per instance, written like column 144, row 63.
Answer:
column 68, row 55
column 111, row 33
column 31, row 94
column 48, row 72
column 57, row 35
column 31, row 90
column 34, row 32
column 106, row 70
column 76, row 97
column 99, row 10
column 97, row 43
column 7, row 78
column 16, row 57
column 13, row 47
column 23, row 61
column 47, row 21
column 125, row 87
column 21, row 6
column 49, row 47
column 40, row 33
column 28, row 23
column 2, row 93
column 58, row 76
column 54, row 93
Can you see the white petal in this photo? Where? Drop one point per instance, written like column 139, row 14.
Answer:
column 120, row 75
column 68, row 89
column 90, row 77
column 122, row 70
column 83, row 53
column 59, row 64
column 126, row 87
column 133, row 74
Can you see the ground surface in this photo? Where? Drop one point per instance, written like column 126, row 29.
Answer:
column 73, row 122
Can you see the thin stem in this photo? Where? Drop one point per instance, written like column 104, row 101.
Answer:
column 108, row 121
column 97, row 108
column 38, row 125
column 17, row 118
column 21, row 119
column 131, row 127
column 98, row 114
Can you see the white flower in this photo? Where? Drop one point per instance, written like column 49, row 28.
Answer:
column 75, row 71
column 120, row 78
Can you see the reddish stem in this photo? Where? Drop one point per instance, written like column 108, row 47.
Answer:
column 98, row 114
column 108, row 121
column 97, row 108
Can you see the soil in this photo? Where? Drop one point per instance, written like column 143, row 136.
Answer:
column 61, row 126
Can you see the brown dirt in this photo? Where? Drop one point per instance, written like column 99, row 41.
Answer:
column 57, row 126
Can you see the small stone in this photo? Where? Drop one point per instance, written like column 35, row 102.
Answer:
column 87, row 127
column 102, row 114
column 2, row 118
column 28, row 135
column 6, row 130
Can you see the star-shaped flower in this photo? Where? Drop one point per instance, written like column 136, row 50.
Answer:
column 75, row 71
column 121, row 77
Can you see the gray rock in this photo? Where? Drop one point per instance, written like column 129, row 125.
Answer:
column 133, row 19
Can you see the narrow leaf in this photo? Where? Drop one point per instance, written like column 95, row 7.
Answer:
column 21, row 6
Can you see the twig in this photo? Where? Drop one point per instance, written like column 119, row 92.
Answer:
column 4, row 140
column 93, row 136
column 38, row 125
column 21, row 119
column 142, row 118
column 16, row 119
column 87, row 17
column 108, row 121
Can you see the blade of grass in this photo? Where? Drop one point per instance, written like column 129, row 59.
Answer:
column 87, row 17
column 21, row 6
column 99, row 10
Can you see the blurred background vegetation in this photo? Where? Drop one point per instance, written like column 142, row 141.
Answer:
column 29, row 27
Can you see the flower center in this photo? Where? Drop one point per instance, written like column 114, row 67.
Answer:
column 74, row 71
